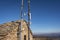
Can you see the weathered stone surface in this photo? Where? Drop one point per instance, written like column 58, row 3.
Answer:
column 9, row 31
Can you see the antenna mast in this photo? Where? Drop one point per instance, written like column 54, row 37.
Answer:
column 22, row 9
column 20, row 24
column 29, row 19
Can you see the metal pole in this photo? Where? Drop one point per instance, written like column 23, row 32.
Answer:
column 28, row 19
column 20, row 24
column 22, row 9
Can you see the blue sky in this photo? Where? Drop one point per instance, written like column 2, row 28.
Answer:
column 45, row 14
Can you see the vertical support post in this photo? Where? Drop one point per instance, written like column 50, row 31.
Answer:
column 20, row 24
column 28, row 19
column 22, row 9
column 21, row 19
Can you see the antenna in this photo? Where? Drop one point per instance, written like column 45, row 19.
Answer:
column 29, row 17
column 20, row 23
column 22, row 9
column 21, row 19
column 29, row 14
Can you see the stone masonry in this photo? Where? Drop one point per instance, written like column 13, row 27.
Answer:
column 9, row 31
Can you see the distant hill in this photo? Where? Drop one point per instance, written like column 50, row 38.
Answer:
column 47, row 35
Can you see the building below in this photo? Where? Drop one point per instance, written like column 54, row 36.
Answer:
column 9, row 31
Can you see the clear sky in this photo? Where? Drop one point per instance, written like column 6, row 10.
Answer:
column 45, row 14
